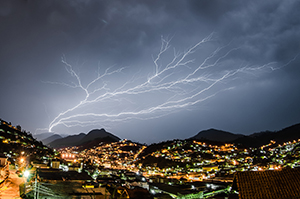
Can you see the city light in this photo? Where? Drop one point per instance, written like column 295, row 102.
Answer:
column 26, row 174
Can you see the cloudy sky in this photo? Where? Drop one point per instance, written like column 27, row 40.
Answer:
column 150, row 70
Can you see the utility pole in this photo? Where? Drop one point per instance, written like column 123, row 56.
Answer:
column 25, row 187
column 36, row 190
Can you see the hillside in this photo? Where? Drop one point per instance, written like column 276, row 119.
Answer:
column 86, row 140
column 71, row 140
column 14, row 140
column 51, row 138
column 253, row 140
column 258, row 139
column 216, row 135
column 94, row 137
column 97, row 134
column 43, row 136
column 289, row 133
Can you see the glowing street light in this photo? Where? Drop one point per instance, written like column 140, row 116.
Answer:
column 26, row 174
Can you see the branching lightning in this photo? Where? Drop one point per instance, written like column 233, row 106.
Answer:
column 177, row 84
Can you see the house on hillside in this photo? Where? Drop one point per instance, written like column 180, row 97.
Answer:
column 56, row 175
column 269, row 184
column 136, row 193
column 4, row 167
column 3, row 159
column 55, row 163
column 69, row 184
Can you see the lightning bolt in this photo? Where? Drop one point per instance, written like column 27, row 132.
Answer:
column 180, row 83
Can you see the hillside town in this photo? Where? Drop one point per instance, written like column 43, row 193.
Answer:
column 149, row 99
column 126, row 169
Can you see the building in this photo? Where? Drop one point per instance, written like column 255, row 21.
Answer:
column 210, row 168
column 56, row 175
column 3, row 159
column 136, row 193
column 269, row 184
column 55, row 164
column 4, row 168
column 54, row 183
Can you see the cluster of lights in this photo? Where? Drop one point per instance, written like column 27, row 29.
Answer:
column 68, row 155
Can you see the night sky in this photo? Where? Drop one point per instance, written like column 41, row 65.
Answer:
column 150, row 70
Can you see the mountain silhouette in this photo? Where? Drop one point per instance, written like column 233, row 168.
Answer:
column 216, row 135
column 43, row 136
column 95, row 136
column 51, row 138
column 253, row 140
column 71, row 140
column 258, row 139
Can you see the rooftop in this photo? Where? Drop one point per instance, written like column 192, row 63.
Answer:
column 63, row 175
column 268, row 184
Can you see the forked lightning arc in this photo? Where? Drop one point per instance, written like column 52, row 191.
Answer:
column 177, row 83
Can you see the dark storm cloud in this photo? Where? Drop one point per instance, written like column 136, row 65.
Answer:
column 213, row 11
column 36, row 34
column 270, row 28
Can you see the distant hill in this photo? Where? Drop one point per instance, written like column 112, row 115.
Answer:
column 71, row 140
column 259, row 139
column 51, row 138
column 253, row 140
column 97, row 134
column 43, row 136
column 92, row 138
column 216, row 135
column 288, row 134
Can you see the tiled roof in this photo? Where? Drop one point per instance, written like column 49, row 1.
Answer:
column 61, row 175
column 2, row 155
column 270, row 184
